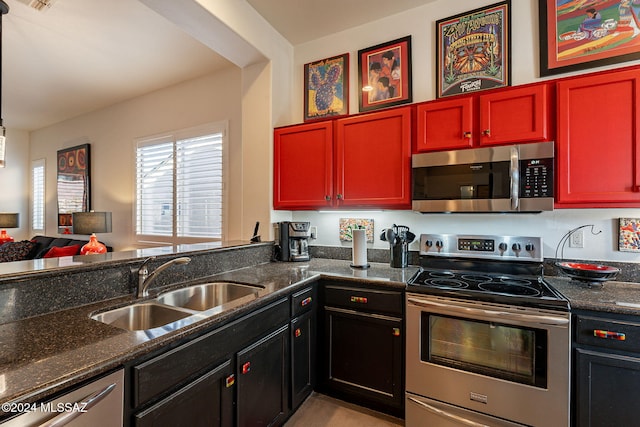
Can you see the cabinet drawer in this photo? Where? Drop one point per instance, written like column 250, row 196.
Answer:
column 302, row 301
column 368, row 300
column 612, row 334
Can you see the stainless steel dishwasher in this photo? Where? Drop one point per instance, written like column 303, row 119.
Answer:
column 99, row 403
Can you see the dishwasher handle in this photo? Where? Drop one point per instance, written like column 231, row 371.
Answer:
column 85, row 405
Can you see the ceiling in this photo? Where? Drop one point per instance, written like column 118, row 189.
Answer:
column 83, row 55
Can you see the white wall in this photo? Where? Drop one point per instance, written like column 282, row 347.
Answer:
column 111, row 133
column 14, row 181
column 420, row 24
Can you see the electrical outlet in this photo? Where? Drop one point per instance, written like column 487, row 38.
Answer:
column 577, row 239
column 314, row 232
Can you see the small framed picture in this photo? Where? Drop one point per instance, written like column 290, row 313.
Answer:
column 629, row 235
column 473, row 50
column 579, row 35
column 384, row 75
column 326, row 88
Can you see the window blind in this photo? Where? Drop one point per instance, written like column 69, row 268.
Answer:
column 180, row 186
column 37, row 195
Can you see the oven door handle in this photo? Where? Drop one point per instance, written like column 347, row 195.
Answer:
column 446, row 414
column 540, row 319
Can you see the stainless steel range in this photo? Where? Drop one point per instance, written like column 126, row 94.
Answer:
column 488, row 340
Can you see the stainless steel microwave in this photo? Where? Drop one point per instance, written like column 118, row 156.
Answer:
column 512, row 178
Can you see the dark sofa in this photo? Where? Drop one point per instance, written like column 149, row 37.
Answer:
column 41, row 247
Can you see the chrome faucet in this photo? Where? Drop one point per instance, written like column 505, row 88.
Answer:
column 145, row 279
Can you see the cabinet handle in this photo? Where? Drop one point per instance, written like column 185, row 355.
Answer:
column 359, row 300
column 246, row 368
column 486, row 132
column 618, row 336
column 297, row 333
column 230, row 381
column 467, row 135
column 396, row 332
column 87, row 403
column 305, row 301
column 327, row 198
column 339, row 196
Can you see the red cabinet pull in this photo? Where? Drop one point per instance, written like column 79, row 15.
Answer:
column 246, row 368
column 297, row 332
column 230, row 381
column 600, row 333
column 396, row 332
column 359, row 300
column 305, row 301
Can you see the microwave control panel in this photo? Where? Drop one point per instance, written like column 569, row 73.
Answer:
column 536, row 178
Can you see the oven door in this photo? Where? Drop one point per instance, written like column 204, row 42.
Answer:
column 505, row 361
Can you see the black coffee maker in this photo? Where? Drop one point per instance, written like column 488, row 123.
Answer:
column 294, row 241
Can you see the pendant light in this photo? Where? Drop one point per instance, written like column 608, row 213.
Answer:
column 4, row 9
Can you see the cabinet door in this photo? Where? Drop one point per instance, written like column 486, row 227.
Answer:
column 363, row 359
column 263, row 381
column 207, row 401
column 515, row 115
column 607, row 389
column 373, row 160
column 598, row 133
column 303, row 357
column 445, row 125
column 303, row 166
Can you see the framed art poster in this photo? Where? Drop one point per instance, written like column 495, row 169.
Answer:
column 384, row 74
column 629, row 235
column 575, row 35
column 72, row 184
column 326, row 88
column 473, row 50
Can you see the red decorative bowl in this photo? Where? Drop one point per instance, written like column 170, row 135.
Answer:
column 588, row 272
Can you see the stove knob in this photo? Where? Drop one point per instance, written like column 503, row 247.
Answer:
column 439, row 244
column 502, row 246
column 529, row 247
column 428, row 243
column 516, row 247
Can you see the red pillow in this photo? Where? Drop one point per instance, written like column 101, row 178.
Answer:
column 58, row 251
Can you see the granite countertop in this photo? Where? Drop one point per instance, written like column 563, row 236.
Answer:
column 610, row 297
column 45, row 354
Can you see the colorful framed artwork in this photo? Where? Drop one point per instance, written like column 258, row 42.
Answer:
column 72, row 184
column 473, row 50
column 326, row 88
column 384, row 75
column 348, row 224
column 575, row 35
column 629, row 235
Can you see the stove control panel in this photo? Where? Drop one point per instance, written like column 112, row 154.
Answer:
column 520, row 248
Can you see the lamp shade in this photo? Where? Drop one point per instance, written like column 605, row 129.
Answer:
column 9, row 220
column 91, row 222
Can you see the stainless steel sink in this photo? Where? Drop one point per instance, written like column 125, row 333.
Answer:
column 207, row 295
column 141, row 316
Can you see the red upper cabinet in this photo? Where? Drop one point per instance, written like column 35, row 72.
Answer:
column 303, row 166
column 498, row 117
column 373, row 159
column 598, row 140
column 515, row 115
column 445, row 124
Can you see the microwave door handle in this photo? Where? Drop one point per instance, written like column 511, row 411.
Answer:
column 514, row 174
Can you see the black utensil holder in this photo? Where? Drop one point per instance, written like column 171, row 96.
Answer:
column 399, row 255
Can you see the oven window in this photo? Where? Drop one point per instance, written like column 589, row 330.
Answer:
column 509, row 352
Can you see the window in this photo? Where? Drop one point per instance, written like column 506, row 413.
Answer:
column 37, row 195
column 179, row 186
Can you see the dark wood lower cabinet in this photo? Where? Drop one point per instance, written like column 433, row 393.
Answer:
column 363, row 348
column 606, row 369
column 303, row 357
column 207, row 401
column 263, row 381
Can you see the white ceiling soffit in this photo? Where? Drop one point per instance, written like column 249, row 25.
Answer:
column 300, row 21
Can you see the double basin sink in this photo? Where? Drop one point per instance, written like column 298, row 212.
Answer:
column 170, row 308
